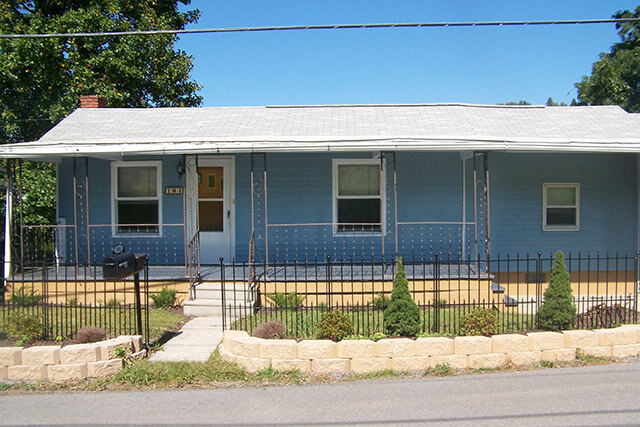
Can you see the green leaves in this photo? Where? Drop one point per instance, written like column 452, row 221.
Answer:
column 558, row 312
column 42, row 79
column 402, row 316
column 615, row 78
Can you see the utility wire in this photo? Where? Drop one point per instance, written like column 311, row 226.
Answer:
column 321, row 27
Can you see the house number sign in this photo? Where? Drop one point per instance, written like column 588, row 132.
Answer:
column 174, row 190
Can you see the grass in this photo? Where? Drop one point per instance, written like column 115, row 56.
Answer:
column 368, row 322
column 61, row 322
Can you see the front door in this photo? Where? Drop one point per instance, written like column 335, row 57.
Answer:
column 215, row 211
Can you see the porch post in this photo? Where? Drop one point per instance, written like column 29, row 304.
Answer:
column 395, row 204
column 86, row 201
column 266, row 218
column 487, row 233
column 7, row 222
column 475, row 206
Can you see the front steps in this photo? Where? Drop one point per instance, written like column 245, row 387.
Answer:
column 208, row 299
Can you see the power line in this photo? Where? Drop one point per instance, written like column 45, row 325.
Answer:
column 321, row 27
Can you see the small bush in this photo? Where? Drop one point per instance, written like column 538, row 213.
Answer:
column 24, row 327
column 557, row 311
column 280, row 299
column 25, row 298
column 381, row 302
column 270, row 330
column 112, row 303
column 605, row 316
column 165, row 298
column 479, row 321
column 335, row 326
column 440, row 303
column 402, row 316
column 90, row 334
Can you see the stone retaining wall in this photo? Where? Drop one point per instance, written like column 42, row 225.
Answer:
column 57, row 363
column 404, row 354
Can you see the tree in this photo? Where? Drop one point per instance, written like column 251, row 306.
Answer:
column 557, row 312
column 402, row 316
column 615, row 77
column 41, row 80
column 552, row 103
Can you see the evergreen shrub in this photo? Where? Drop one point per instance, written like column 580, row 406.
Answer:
column 557, row 311
column 402, row 316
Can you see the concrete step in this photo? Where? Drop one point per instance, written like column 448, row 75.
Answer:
column 211, row 308
column 229, row 295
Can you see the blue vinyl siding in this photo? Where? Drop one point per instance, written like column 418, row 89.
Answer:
column 165, row 249
column 429, row 189
column 608, row 202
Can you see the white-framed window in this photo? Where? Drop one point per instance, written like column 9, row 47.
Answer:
column 136, row 197
column 561, row 206
column 358, row 195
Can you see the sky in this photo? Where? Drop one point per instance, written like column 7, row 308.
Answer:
column 487, row 65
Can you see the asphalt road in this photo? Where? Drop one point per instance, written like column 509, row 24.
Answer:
column 598, row 395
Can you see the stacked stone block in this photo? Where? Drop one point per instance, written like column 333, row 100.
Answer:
column 75, row 361
column 403, row 354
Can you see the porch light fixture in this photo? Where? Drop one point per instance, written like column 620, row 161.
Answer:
column 180, row 168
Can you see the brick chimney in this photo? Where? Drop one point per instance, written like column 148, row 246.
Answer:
column 92, row 101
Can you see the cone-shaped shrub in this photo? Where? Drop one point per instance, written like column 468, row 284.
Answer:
column 557, row 311
column 402, row 316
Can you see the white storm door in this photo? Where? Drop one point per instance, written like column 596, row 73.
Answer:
column 216, row 219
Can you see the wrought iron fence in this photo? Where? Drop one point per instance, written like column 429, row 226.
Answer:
column 63, row 300
column 605, row 291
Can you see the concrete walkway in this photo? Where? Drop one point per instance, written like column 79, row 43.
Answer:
column 195, row 342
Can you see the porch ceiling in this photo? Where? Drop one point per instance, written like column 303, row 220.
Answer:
column 113, row 133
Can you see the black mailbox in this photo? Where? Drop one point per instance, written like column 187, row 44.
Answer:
column 122, row 264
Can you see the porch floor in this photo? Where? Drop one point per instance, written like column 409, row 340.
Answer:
column 279, row 273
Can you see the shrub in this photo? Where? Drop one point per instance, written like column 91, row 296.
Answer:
column 605, row 316
column 402, row 316
column 335, row 326
column 479, row 321
column 24, row 327
column 90, row 334
column 281, row 299
column 380, row 302
column 270, row 330
column 25, row 298
column 165, row 298
column 557, row 311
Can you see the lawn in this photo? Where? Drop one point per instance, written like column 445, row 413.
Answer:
column 61, row 322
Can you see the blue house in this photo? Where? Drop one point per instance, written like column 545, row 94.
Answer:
column 296, row 184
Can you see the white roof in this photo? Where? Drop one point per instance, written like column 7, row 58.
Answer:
column 437, row 127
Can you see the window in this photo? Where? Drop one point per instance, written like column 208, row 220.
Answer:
column 561, row 207
column 136, row 196
column 358, row 188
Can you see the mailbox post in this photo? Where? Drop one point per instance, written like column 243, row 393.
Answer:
column 122, row 264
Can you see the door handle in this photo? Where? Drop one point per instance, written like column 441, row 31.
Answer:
column 228, row 214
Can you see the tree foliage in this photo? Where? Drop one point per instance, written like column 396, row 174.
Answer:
column 558, row 312
column 402, row 316
column 42, row 79
column 615, row 77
